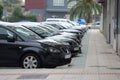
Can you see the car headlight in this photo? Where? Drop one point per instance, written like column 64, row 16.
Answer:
column 54, row 50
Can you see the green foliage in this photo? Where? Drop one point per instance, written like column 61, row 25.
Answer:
column 1, row 10
column 84, row 9
column 17, row 16
column 31, row 17
column 9, row 5
column 18, row 12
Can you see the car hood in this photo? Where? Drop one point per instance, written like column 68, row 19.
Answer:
column 67, row 34
column 69, row 30
column 49, row 41
column 79, row 27
column 59, row 38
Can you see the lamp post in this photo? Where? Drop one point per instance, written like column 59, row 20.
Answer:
column 117, row 25
column 5, row 12
column 94, row 15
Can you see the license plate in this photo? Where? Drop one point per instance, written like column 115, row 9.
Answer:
column 67, row 56
column 76, row 48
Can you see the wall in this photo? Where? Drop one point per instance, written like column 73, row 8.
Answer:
column 113, row 24
column 50, row 7
column 31, row 4
column 119, row 28
column 104, row 18
column 46, row 8
column 110, row 23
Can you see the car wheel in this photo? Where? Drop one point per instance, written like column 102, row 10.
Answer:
column 30, row 61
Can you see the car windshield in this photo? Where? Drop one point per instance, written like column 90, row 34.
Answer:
column 51, row 31
column 52, row 28
column 26, row 33
column 40, row 31
column 56, row 26
column 48, row 29
column 66, row 25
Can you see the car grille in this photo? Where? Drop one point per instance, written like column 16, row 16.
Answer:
column 73, row 43
column 65, row 50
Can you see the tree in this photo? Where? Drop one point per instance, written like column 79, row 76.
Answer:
column 18, row 15
column 1, row 10
column 84, row 8
column 31, row 17
column 9, row 5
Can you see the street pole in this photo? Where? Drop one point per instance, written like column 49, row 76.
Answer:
column 117, row 17
column 94, row 15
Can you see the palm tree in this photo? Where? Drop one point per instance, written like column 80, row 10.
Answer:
column 84, row 8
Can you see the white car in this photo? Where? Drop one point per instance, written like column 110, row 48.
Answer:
column 62, row 20
column 95, row 25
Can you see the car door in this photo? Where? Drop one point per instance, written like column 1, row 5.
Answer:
column 8, row 49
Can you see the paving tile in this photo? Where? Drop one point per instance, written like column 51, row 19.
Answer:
column 3, row 77
column 108, row 77
column 55, row 77
column 72, row 77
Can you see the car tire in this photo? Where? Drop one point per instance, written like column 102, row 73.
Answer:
column 30, row 61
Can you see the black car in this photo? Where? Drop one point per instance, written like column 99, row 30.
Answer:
column 61, row 28
column 42, row 31
column 21, row 47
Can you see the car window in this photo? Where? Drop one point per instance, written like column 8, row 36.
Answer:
column 52, row 28
column 40, row 31
column 4, row 33
column 56, row 26
column 27, row 33
column 48, row 29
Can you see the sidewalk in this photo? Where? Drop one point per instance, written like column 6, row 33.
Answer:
column 100, row 63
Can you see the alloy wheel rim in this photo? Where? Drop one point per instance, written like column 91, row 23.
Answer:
column 30, row 62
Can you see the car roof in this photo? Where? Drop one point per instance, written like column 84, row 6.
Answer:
column 56, row 19
column 28, row 24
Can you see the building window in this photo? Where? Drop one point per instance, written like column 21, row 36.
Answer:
column 58, row 2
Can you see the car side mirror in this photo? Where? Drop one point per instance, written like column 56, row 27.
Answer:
column 11, row 39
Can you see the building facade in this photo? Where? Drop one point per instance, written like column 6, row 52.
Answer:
column 56, row 8
column 110, row 20
column 47, row 8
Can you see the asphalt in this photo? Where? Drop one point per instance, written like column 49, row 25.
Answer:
column 98, row 61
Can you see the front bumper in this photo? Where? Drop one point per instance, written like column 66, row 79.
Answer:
column 75, row 48
column 57, row 59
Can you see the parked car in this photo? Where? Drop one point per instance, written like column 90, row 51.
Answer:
column 44, row 32
column 68, row 24
column 95, row 25
column 47, row 30
column 22, row 47
column 66, row 29
column 62, row 20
